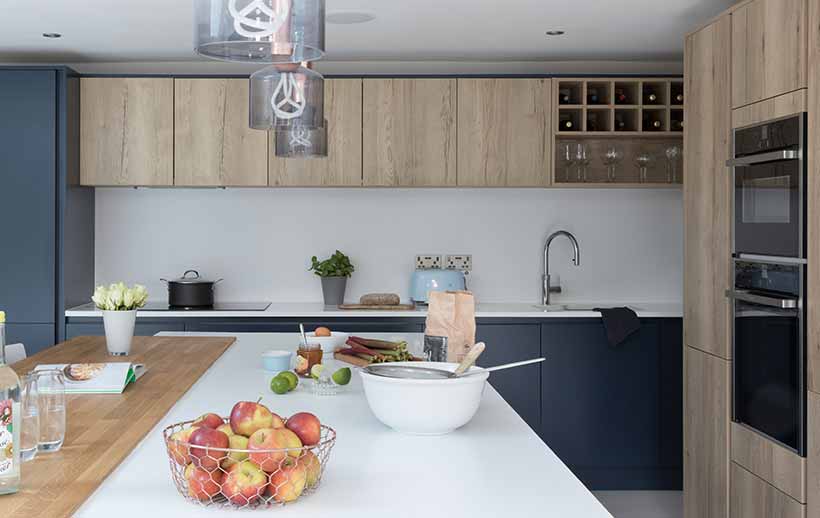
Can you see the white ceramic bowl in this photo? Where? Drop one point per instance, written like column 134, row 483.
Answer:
column 329, row 343
column 421, row 406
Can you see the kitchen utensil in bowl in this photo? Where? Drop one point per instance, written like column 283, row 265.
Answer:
column 424, row 406
column 469, row 359
column 395, row 370
column 276, row 361
column 190, row 290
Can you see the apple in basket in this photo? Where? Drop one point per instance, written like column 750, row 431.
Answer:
column 311, row 463
column 244, row 483
column 248, row 417
column 203, row 485
column 202, row 440
column 306, row 426
column 209, row 420
column 266, row 439
column 235, row 442
column 178, row 446
column 288, row 482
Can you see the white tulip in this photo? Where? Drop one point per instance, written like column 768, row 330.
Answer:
column 100, row 297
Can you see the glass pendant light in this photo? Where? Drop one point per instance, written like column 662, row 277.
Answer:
column 260, row 31
column 302, row 142
column 287, row 95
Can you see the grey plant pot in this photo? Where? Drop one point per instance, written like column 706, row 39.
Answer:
column 333, row 290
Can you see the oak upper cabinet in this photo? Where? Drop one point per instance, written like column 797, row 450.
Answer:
column 768, row 49
column 707, row 190
column 504, row 132
column 127, row 131
column 213, row 144
column 343, row 165
column 409, row 132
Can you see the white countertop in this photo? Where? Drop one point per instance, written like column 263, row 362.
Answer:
column 494, row 466
column 483, row 310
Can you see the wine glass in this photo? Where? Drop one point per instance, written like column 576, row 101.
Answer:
column 611, row 158
column 643, row 161
column 673, row 152
column 582, row 158
column 567, row 157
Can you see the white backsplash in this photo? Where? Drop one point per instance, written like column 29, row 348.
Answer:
column 260, row 240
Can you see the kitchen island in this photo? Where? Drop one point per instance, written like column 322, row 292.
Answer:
column 494, row 466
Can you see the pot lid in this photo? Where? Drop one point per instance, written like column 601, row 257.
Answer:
column 192, row 277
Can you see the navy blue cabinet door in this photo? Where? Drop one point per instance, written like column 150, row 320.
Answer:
column 142, row 328
column 28, row 180
column 35, row 337
column 256, row 326
column 603, row 406
column 520, row 387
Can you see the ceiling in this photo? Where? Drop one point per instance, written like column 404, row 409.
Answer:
column 418, row 30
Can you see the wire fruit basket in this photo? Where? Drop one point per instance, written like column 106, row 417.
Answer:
column 245, row 478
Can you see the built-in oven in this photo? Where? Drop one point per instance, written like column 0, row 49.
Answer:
column 769, row 336
column 769, row 197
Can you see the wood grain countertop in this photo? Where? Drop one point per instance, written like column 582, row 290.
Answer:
column 103, row 429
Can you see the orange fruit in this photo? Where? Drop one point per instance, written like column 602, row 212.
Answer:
column 321, row 331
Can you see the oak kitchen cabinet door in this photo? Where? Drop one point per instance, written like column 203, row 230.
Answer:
column 409, row 132
column 504, row 132
column 769, row 47
column 343, row 165
column 707, row 190
column 213, row 144
column 127, row 131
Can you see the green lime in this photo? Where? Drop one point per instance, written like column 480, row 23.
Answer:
column 342, row 376
column 293, row 380
column 280, row 385
column 316, row 371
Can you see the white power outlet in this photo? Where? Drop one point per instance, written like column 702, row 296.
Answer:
column 428, row 261
column 461, row 262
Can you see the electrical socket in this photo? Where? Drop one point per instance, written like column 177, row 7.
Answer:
column 461, row 262
column 428, row 261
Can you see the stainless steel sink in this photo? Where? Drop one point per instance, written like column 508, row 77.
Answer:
column 576, row 307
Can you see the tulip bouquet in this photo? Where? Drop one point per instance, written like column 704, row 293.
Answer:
column 119, row 297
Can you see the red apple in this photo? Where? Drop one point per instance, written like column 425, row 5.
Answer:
column 203, row 485
column 306, row 426
column 236, row 442
column 247, row 417
column 288, row 482
column 178, row 445
column 209, row 420
column 244, row 483
column 205, row 457
column 283, row 440
column 311, row 463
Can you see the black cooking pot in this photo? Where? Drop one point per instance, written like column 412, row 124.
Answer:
column 190, row 290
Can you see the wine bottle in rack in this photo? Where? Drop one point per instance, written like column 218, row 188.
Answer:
column 592, row 122
column 679, row 98
column 620, row 96
column 650, row 95
column 620, row 123
column 565, row 122
column 652, row 122
column 593, row 96
column 564, row 96
column 677, row 125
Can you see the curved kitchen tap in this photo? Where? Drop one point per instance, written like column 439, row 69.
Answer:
column 547, row 285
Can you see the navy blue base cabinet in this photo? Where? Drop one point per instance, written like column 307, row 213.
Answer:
column 614, row 414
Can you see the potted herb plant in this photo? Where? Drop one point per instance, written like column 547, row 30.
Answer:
column 334, row 272
column 119, row 305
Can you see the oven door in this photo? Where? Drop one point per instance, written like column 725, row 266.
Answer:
column 768, row 366
column 768, row 208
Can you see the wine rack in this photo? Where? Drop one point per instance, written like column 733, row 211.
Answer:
column 641, row 107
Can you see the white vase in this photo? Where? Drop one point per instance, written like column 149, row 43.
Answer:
column 119, row 331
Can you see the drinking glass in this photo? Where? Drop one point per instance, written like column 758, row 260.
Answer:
column 51, row 387
column 672, row 154
column 611, row 158
column 582, row 158
column 643, row 161
column 567, row 157
column 30, row 422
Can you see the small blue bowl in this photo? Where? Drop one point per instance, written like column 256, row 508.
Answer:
column 276, row 361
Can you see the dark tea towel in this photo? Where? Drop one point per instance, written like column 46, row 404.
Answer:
column 619, row 323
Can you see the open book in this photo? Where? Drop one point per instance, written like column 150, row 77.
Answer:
column 97, row 378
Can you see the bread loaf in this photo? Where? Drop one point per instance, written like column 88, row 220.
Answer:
column 380, row 299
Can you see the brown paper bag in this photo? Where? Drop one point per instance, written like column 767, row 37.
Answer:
column 451, row 314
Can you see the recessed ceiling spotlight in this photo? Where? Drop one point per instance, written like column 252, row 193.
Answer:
column 555, row 32
column 349, row 17
column 52, row 35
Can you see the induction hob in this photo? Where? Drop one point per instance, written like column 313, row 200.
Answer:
column 218, row 306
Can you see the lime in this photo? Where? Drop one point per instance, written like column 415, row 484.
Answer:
column 342, row 376
column 280, row 385
column 293, row 380
column 316, row 371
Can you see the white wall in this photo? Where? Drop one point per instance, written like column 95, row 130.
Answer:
column 261, row 241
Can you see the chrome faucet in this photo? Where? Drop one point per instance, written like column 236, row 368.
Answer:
column 547, row 286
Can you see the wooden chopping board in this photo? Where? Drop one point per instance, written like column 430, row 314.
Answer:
column 394, row 307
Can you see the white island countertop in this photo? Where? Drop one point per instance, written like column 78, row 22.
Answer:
column 494, row 466
column 483, row 310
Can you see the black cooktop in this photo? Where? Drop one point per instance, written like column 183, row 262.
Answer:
column 219, row 306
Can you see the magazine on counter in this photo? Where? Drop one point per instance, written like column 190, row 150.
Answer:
column 97, row 378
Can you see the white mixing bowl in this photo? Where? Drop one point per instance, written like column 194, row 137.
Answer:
column 424, row 406
column 329, row 343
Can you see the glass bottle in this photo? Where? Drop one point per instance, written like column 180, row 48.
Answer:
column 9, row 420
